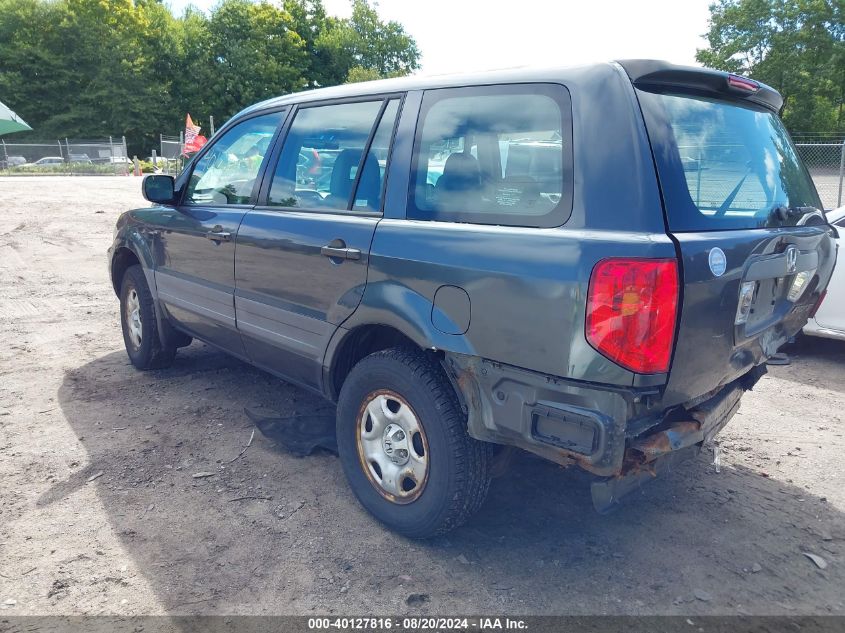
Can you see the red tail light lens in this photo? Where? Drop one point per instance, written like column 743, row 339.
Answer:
column 818, row 303
column 632, row 305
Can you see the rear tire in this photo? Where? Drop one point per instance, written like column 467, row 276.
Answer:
column 139, row 323
column 404, row 446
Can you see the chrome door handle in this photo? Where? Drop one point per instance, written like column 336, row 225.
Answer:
column 336, row 252
column 218, row 236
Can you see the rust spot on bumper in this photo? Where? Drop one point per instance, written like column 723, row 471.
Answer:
column 647, row 449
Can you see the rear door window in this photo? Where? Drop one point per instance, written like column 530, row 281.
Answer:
column 494, row 155
column 370, row 189
column 324, row 150
column 725, row 165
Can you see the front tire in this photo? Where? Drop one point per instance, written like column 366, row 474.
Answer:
column 404, row 446
column 139, row 324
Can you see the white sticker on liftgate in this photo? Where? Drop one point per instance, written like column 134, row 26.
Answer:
column 718, row 262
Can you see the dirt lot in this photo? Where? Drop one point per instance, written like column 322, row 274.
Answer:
column 100, row 513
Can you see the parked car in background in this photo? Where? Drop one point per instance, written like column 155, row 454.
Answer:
column 12, row 161
column 828, row 321
column 47, row 160
column 120, row 160
column 526, row 258
column 79, row 158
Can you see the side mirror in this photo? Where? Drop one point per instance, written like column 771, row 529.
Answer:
column 159, row 189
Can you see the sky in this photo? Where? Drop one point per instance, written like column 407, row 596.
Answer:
column 469, row 35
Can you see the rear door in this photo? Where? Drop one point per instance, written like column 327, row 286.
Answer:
column 755, row 252
column 302, row 255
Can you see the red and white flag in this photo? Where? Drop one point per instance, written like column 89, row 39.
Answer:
column 193, row 140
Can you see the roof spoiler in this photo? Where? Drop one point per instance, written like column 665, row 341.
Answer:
column 647, row 73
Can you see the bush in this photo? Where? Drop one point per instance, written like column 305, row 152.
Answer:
column 68, row 168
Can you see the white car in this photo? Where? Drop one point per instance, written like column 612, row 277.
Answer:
column 829, row 320
column 47, row 160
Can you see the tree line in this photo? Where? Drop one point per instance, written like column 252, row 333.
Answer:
column 89, row 68
column 795, row 46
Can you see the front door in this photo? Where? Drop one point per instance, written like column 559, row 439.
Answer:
column 301, row 257
column 196, row 281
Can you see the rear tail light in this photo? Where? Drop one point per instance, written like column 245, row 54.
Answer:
column 632, row 305
column 746, row 299
column 818, row 303
column 799, row 284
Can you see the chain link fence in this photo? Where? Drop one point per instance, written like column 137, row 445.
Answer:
column 825, row 159
column 66, row 157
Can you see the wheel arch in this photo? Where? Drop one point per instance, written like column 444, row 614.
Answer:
column 390, row 315
column 130, row 249
column 123, row 258
column 347, row 347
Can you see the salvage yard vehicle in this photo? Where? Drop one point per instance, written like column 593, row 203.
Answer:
column 591, row 264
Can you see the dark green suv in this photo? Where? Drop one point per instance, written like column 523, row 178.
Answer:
column 591, row 264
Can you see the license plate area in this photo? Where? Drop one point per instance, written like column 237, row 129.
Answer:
column 772, row 277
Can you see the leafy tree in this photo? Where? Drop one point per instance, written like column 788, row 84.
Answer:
column 796, row 46
column 359, row 73
column 89, row 68
column 83, row 68
column 256, row 54
column 365, row 41
column 193, row 75
column 310, row 22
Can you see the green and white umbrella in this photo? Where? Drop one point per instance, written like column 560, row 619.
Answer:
column 11, row 122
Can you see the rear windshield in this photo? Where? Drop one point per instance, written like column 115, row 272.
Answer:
column 724, row 165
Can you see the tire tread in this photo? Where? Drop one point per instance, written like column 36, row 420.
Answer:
column 159, row 355
column 472, row 458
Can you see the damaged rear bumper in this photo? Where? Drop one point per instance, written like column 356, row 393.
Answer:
column 659, row 451
column 621, row 434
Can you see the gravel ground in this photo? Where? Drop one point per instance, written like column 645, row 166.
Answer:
column 100, row 512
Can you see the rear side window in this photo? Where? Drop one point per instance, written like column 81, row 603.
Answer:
column 324, row 150
column 724, row 165
column 494, row 155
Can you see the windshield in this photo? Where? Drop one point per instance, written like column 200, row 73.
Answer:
column 725, row 165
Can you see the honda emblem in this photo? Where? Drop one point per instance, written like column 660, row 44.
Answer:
column 791, row 259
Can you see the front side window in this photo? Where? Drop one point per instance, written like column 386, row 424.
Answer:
column 226, row 173
column 322, row 152
column 494, row 155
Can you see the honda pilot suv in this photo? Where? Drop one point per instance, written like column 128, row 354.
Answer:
column 591, row 264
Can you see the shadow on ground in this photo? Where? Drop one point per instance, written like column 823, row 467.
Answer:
column 271, row 533
column 814, row 360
